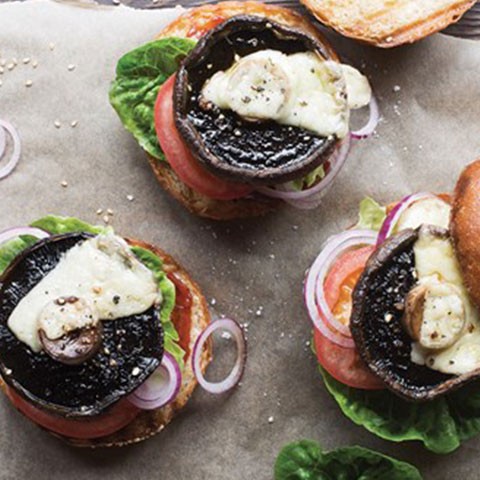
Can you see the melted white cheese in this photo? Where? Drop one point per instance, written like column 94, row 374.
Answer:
column 435, row 261
column 300, row 89
column 431, row 211
column 101, row 270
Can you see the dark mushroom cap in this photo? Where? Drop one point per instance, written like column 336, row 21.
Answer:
column 377, row 327
column 132, row 347
column 264, row 152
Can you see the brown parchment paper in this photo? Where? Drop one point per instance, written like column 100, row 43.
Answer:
column 430, row 100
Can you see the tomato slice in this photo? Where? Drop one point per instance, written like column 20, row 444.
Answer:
column 181, row 160
column 345, row 364
column 117, row 417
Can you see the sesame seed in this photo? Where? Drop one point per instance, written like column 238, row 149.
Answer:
column 74, row 123
column 130, row 198
column 28, row 83
column 10, row 66
column 135, row 371
column 271, row 419
column 64, row 184
column 106, row 218
column 51, row 46
column 3, row 62
column 110, row 211
column 1, row 83
column 34, row 64
column 99, row 211
column 1, row 70
column 116, row 2
column 14, row 61
column 71, row 67
column 57, row 124
column 26, row 60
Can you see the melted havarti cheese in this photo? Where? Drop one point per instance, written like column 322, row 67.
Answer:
column 435, row 262
column 300, row 89
column 103, row 271
column 430, row 211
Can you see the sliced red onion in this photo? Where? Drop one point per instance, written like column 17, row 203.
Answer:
column 161, row 387
column 237, row 371
column 311, row 197
column 16, row 232
column 15, row 157
column 317, row 306
column 3, row 141
column 392, row 218
column 374, row 117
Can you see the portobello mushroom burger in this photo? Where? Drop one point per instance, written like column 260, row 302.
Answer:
column 241, row 106
column 395, row 305
column 102, row 339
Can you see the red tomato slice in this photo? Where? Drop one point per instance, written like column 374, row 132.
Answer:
column 117, row 417
column 345, row 364
column 181, row 160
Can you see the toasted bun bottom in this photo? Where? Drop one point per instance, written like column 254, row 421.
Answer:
column 150, row 422
column 194, row 23
column 391, row 25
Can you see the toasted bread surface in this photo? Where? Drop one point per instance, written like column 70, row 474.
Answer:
column 195, row 23
column 465, row 227
column 388, row 23
column 150, row 422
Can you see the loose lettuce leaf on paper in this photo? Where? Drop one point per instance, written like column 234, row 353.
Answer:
column 304, row 460
column 140, row 74
column 60, row 225
column 371, row 215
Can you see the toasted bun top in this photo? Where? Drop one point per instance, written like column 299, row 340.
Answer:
column 465, row 227
column 388, row 23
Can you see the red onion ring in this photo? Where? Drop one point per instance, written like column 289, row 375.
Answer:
column 318, row 309
column 157, row 391
column 15, row 157
column 16, row 232
column 3, row 141
column 311, row 197
column 392, row 218
column 367, row 130
column 237, row 371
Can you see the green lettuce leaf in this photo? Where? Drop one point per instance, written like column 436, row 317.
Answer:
column 140, row 73
column 304, row 460
column 371, row 215
column 60, row 225
column 441, row 425
column 309, row 179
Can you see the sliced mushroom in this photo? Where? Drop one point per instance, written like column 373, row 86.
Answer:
column 70, row 330
column 434, row 314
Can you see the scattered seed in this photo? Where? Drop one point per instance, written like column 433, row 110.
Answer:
column 11, row 66
column 71, row 67
column 51, row 46
column 15, row 61
column 106, row 218
column 135, row 371
column 1, row 83
column 99, row 211
column 34, row 64
column 57, row 124
column 26, row 60
column 1, row 70
column 130, row 198
column 116, row 2
column 109, row 212
column 64, row 184
column 28, row 83
column 3, row 62
column 74, row 123
column 271, row 419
